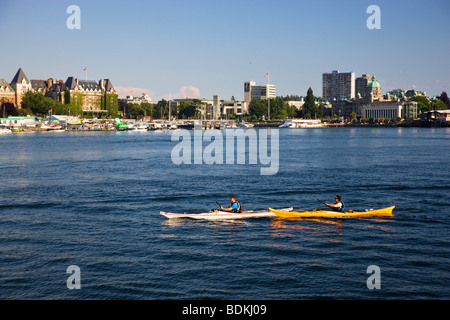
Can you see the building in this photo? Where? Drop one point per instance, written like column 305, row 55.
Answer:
column 7, row 93
column 20, row 85
column 216, row 107
column 137, row 100
column 338, row 86
column 258, row 92
column 389, row 109
column 233, row 107
column 361, row 85
column 19, row 121
column 297, row 104
column 89, row 95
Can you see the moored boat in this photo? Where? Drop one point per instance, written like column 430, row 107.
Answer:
column 222, row 215
column 303, row 123
column 4, row 130
column 333, row 214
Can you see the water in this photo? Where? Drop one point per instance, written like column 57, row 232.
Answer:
column 93, row 200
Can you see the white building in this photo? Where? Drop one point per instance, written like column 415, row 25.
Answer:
column 234, row 107
column 297, row 104
column 138, row 100
column 258, row 92
column 390, row 109
column 19, row 121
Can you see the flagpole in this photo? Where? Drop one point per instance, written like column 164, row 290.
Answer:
column 268, row 96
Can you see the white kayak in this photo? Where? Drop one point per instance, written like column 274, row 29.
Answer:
column 221, row 215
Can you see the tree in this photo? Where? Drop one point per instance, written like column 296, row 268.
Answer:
column 438, row 105
column 188, row 110
column 161, row 108
column 258, row 108
column 278, row 109
column 423, row 104
column 148, row 108
column 39, row 104
column 444, row 98
column 310, row 105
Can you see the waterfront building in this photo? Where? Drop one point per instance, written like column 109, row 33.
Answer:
column 442, row 116
column 233, row 107
column 20, row 85
column 86, row 94
column 215, row 108
column 90, row 95
column 7, row 93
column 258, row 92
column 338, row 86
column 389, row 109
column 19, row 121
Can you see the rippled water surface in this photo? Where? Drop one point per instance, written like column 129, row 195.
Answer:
column 93, row 200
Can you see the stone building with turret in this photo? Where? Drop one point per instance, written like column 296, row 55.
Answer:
column 20, row 85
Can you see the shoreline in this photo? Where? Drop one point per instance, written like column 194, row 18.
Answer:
column 257, row 126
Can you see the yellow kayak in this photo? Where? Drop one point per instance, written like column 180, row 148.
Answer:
column 333, row 214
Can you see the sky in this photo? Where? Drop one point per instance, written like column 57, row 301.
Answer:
column 199, row 48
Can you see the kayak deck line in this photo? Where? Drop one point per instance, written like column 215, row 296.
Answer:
column 333, row 214
column 221, row 215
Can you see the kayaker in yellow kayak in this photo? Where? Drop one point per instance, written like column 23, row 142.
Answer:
column 338, row 206
column 234, row 205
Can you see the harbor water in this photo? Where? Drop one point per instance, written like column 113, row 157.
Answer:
column 93, row 200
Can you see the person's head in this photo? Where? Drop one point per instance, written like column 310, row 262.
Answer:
column 338, row 198
column 233, row 198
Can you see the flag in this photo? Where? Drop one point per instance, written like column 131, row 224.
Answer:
column 50, row 110
column 266, row 74
column 85, row 68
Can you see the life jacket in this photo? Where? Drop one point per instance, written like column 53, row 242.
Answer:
column 342, row 208
column 239, row 209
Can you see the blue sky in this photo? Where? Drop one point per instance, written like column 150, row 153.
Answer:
column 199, row 48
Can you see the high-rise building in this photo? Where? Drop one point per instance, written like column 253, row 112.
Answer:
column 258, row 92
column 338, row 86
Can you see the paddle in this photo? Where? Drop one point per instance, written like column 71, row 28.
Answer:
column 321, row 201
column 218, row 204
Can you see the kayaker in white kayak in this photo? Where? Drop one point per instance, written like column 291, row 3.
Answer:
column 338, row 206
column 234, row 205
